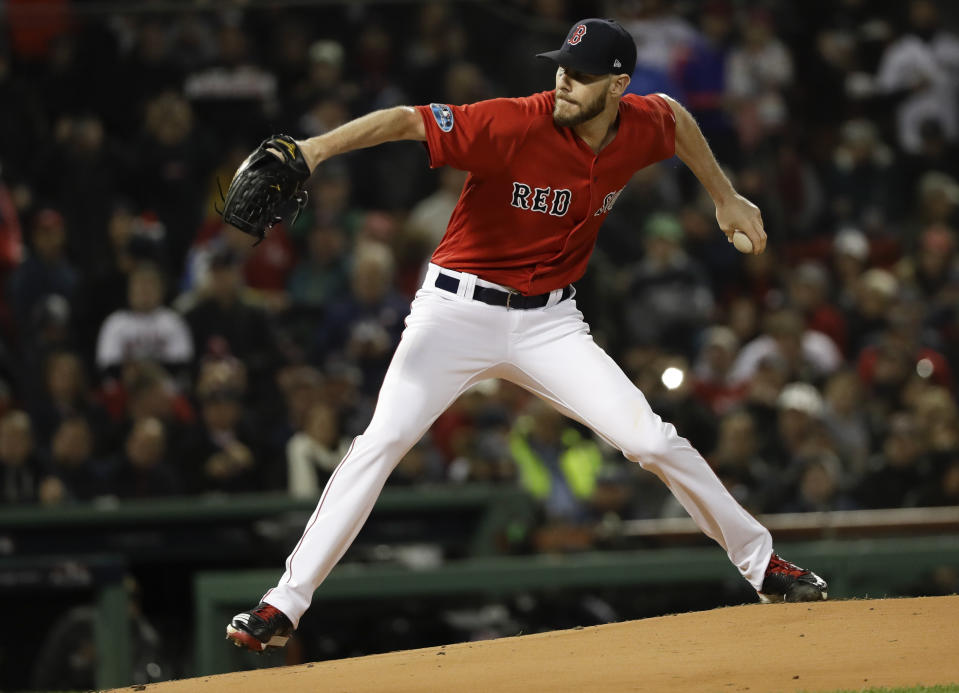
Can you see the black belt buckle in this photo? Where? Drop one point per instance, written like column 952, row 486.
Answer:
column 509, row 297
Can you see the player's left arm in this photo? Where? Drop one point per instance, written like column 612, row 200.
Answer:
column 733, row 211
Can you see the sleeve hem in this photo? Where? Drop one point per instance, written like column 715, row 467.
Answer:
column 433, row 151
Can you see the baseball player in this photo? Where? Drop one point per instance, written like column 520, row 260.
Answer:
column 498, row 298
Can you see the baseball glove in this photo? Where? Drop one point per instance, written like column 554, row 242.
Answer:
column 267, row 187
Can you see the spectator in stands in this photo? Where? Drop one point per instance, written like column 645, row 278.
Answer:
column 154, row 64
column 224, row 322
column 20, row 129
column 846, row 421
column 662, row 36
column 944, row 487
column 65, row 394
column 718, row 258
column 808, row 354
column 232, row 92
column 744, row 318
column 809, row 293
column 819, row 487
column 439, row 40
column 700, row 70
column 758, row 71
column 222, row 453
column 761, row 278
column 876, row 291
column 50, row 330
column 472, row 435
column 799, row 199
column 331, row 192
column 300, row 387
column 265, row 269
column 81, row 171
column 145, row 390
column 556, row 465
column 313, row 452
column 653, row 188
column 374, row 52
column 73, row 474
column 19, row 466
column 933, row 272
column 800, row 427
column 365, row 325
column 150, row 392
column 147, row 330
column 323, row 274
column 850, row 258
column 888, row 365
column 45, row 271
column 920, row 70
column 324, row 77
column 938, row 200
column 290, row 63
column 143, row 469
column 711, row 380
column 936, row 154
column 861, row 178
column 11, row 238
column 170, row 172
column 132, row 239
column 668, row 297
column 762, row 393
column 937, row 415
column 737, row 462
column 896, row 476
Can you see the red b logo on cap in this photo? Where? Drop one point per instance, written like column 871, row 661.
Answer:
column 577, row 35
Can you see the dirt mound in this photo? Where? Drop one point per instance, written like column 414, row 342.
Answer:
column 784, row 647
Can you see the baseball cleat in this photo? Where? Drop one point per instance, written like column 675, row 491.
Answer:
column 260, row 628
column 785, row 582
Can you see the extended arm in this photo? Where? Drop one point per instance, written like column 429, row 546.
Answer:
column 388, row 125
column 733, row 211
column 264, row 189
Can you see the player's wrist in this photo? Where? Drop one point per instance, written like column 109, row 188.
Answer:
column 723, row 197
column 312, row 152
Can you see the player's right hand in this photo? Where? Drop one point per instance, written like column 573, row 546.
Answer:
column 737, row 212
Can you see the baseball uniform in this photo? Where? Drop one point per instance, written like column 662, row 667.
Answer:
column 498, row 302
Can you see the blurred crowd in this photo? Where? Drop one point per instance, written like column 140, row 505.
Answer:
column 148, row 350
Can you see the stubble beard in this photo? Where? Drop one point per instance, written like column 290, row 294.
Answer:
column 587, row 112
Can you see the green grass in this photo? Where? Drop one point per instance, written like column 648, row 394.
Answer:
column 948, row 688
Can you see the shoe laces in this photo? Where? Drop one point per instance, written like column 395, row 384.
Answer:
column 778, row 565
column 267, row 612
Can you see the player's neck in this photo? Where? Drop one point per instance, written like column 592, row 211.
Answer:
column 599, row 131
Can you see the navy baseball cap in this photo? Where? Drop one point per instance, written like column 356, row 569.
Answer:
column 596, row 47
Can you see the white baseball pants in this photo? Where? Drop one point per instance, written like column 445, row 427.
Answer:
column 450, row 343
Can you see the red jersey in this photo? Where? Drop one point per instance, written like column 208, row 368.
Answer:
column 536, row 194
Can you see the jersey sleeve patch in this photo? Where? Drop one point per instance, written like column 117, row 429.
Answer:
column 443, row 115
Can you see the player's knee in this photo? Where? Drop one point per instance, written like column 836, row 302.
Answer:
column 649, row 449
column 653, row 446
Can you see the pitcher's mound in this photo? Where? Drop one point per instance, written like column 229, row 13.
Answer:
column 780, row 647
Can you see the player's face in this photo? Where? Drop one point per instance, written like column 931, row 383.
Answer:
column 579, row 96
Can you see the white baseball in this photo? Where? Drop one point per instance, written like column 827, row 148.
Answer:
column 742, row 242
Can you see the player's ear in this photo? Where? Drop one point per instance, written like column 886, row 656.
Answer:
column 618, row 84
